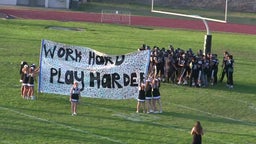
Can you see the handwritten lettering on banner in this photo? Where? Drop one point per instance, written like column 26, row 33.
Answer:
column 99, row 75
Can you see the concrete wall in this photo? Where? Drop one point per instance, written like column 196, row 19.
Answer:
column 38, row 3
column 57, row 3
column 8, row 2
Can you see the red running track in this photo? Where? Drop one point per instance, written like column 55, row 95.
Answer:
column 60, row 15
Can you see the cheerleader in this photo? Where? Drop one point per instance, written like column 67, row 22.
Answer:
column 74, row 98
column 141, row 98
column 148, row 96
column 32, row 73
column 23, row 63
column 25, row 79
column 156, row 95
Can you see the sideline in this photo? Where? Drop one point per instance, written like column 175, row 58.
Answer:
column 61, row 125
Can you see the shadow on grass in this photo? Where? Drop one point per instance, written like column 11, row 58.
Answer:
column 209, row 118
column 40, row 127
column 239, row 88
column 232, row 133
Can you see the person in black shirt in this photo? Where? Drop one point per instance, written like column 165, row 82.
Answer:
column 25, row 71
column 141, row 98
column 197, row 132
column 32, row 76
column 148, row 95
column 224, row 68
column 230, row 69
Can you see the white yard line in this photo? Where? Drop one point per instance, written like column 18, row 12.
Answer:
column 215, row 115
column 61, row 125
column 249, row 104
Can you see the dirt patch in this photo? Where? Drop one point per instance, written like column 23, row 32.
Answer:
column 65, row 28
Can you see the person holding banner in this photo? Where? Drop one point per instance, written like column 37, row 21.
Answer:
column 32, row 75
column 141, row 98
column 74, row 98
column 25, row 79
column 23, row 63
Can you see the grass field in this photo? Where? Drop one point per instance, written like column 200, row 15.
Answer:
column 227, row 116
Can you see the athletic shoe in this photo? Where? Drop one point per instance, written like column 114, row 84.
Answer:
column 33, row 98
column 185, row 82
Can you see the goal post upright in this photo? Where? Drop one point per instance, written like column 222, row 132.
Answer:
column 226, row 11
column 208, row 36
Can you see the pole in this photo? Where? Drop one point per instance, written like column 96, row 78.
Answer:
column 226, row 11
column 207, row 39
column 152, row 5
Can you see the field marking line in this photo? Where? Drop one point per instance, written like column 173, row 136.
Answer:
column 249, row 104
column 188, row 131
column 130, row 118
column 215, row 115
column 62, row 125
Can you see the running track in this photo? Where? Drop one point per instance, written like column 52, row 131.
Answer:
column 61, row 15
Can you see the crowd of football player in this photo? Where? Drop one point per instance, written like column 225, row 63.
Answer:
column 187, row 67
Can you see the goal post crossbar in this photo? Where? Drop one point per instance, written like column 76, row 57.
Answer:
column 191, row 16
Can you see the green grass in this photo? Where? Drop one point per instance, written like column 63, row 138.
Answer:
column 228, row 116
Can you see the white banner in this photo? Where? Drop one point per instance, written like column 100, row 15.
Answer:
column 99, row 75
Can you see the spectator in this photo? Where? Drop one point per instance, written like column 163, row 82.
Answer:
column 197, row 132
